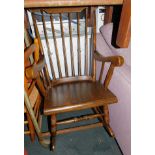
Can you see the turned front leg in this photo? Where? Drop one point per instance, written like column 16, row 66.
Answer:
column 53, row 131
column 107, row 120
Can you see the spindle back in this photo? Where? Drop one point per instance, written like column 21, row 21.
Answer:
column 67, row 38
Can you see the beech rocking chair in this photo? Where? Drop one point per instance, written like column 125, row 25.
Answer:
column 71, row 83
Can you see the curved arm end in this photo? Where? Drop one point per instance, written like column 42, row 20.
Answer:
column 115, row 60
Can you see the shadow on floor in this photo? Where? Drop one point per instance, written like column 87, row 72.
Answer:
column 87, row 142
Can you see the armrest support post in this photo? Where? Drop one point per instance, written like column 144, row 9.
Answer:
column 109, row 76
column 116, row 61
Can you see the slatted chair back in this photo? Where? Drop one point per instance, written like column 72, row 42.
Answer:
column 67, row 45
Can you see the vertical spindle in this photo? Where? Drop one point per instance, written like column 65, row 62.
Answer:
column 63, row 45
column 86, row 42
column 101, row 72
column 56, row 48
column 108, row 76
column 78, row 41
column 48, row 47
column 94, row 43
column 71, row 45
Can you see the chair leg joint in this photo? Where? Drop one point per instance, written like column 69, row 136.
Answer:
column 53, row 131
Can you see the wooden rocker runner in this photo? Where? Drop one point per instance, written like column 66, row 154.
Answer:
column 77, row 87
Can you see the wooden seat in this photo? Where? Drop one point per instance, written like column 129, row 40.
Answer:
column 67, row 76
column 77, row 95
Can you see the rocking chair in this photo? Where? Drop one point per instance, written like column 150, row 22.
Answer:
column 71, row 84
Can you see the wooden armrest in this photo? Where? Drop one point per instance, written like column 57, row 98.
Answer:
column 115, row 60
column 33, row 71
column 28, row 51
column 34, row 48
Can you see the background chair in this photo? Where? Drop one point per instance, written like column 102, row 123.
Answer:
column 32, row 91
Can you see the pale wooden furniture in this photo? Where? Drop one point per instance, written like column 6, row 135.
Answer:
column 34, row 99
column 78, row 89
column 32, row 91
